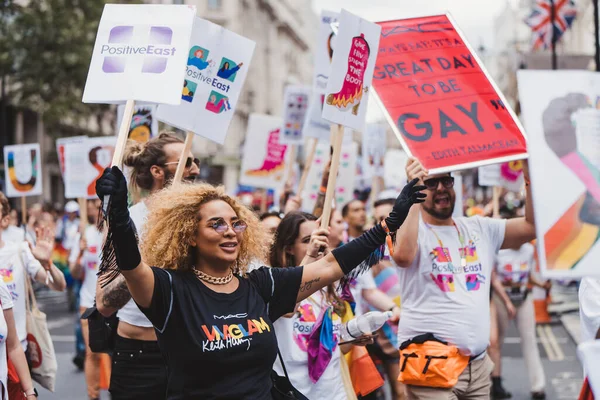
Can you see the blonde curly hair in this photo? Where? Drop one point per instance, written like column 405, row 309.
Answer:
column 173, row 220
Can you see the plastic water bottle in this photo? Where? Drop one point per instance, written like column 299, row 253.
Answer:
column 364, row 324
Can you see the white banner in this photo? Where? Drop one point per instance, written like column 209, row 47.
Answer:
column 373, row 150
column 144, row 124
column 316, row 126
column 264, row 159
column 352, row 69
column 84, row 163
column 60, row 150
column 324, row 50
column 344, row 189
column 394, row 169
column 295, row 109
column 217, row 65
column 508, row 175
column 140, row 54
column 23, row 170
column 564, row 147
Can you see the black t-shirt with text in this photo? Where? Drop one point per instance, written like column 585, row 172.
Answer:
column 217, row 345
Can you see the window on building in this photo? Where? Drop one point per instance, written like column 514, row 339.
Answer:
column 214, row 4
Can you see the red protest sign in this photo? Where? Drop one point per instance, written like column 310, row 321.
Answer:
column 442, row 105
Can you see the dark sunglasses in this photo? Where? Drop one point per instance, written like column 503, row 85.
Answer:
column 432, row 184
column 188, row 162
column 220, row 226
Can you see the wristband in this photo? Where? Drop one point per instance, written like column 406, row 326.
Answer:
column 323, row 189
column 388, row 239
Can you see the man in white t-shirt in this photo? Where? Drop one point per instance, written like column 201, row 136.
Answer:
column 18, row 263
column 446, row 268
column 139, row 371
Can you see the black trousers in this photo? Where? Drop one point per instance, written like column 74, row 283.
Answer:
column 138, row 371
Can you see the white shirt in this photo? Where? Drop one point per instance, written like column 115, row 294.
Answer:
column 292, row 336
column 7, row 304
column 364, row 281
column 130, row 313
column 13, row 234
column 513, row 268
column 68, row 231
column 15, row 259
column 447, row 299
column 589, row 308
column 90, row 261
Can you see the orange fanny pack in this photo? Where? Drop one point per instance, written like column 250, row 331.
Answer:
column 427, row 361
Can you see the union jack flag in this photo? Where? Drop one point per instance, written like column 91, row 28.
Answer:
column 540, row 21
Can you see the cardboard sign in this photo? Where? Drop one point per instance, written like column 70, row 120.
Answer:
column 352, row 67
column 324, row 50
column 144, row 124
column 373, row 151
column 217, row 64
column 344, row 188
column 296, row 99
column 563, row 122
column 263, row 164
column 23, row 170
column 60, row 150
column 84, row 163
column 508, row 175
column 316, row 126
column 394, row 172
column 439, row 100
column 140, row 54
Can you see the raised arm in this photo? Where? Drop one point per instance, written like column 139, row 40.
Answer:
column 137, row 274
column 113, row 296
column 407, row 243
column 521, row 230
column 343, row 260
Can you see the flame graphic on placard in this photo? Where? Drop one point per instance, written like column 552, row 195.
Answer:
column 12, row 174
column 341, row 101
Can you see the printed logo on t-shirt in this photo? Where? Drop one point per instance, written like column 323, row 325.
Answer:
column 227, row 336
column 511, row 276
column 444, row 272
column 9, row 279
column 303, row 325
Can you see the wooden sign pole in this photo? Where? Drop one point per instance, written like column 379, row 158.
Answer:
column 24, row 210
column 312, row 148
column 83, row 219
column 182, row 160
column 289, row 176
column 337, row 136
column 496, row 201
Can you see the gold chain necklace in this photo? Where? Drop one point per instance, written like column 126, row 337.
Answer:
column 224, row 280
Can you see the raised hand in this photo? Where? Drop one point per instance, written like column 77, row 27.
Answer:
column 319, row 243
column 112, row 183
column 410, row 195
column 44, row 245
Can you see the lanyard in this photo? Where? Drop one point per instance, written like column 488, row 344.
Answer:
column 462, row 250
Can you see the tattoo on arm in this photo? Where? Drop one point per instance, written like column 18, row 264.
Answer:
column 116, row 294
column 308, row 284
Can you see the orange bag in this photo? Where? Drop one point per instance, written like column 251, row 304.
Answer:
column 105, row 369
column 431, row 363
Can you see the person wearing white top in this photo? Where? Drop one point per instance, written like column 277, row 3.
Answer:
column 84, row 261
column 445, row 273
column 138, row 369
column 18, row 262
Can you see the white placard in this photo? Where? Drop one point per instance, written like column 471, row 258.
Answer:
column 352, row 69
column 394, row 169
column 373, row 150
column 140, row 54
column 344, row 188
column 217, row 65
column 324, row 50
column 565, row 183
column 144, row 124
column 84, row 164
column 295, row 109
column 316, row 126
column 23, row 170
column 60, row 150
column 508, row 175
column 264, row 159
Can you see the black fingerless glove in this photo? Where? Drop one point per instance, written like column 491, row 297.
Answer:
column 410, row 195
column 113, row 183
column 125, row 245
column 352, row 254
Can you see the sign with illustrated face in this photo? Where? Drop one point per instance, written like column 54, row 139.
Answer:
column 263, row 164
column 144, row 124
column 324, row 50
column 352, row 68
column 508, row 175
column 23, row 170
column 60, row 149
column 140, row 54
column 441, row 103
column 217, row 64
column 85, row 162
column 295, row 107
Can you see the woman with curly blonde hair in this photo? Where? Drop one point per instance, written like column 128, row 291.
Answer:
column 215, row 327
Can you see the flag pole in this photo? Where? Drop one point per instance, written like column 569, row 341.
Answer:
column 553, row 32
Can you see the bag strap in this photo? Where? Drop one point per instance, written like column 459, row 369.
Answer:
column 282, row 364
column 30, row 304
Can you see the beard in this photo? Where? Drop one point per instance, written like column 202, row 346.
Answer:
column 443, row 213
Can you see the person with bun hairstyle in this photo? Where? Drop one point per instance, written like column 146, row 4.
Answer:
column 138, row 369
column 214, row 321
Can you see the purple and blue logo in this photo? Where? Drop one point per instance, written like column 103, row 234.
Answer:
column 156, row 52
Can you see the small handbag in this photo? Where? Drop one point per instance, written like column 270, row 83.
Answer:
column 102, row 330
column 282, row 387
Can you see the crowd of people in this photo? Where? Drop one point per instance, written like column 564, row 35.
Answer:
column 216, row 300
